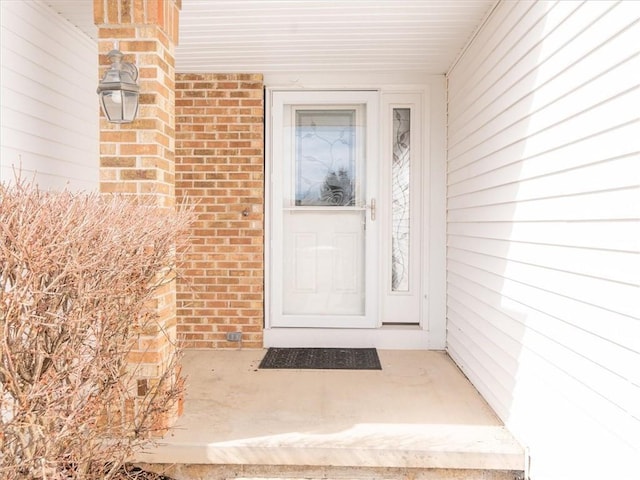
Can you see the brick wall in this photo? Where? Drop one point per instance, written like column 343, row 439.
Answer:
column 220, row 165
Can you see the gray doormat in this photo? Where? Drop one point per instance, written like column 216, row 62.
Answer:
column 322, row 358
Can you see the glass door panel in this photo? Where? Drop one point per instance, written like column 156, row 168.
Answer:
column 324, row 237
column 324, row 222
column 326, row 158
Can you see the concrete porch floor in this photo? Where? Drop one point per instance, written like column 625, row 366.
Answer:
column 418, row 412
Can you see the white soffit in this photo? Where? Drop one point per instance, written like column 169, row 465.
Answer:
column 270, row 36
column 78, row 13
column 325, row 35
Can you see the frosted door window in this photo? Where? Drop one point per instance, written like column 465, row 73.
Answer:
column 325, row 158
column 400, row 197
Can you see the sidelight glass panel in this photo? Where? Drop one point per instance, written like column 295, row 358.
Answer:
column 400, row 179
column 325, row 158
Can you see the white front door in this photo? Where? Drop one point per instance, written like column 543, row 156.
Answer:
column 346, row 236
column 324, row 231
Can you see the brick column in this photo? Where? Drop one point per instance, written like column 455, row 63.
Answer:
column 138, row 158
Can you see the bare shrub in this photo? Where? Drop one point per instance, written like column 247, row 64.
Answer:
column 77, row 283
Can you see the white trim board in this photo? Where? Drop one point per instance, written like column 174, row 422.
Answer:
column 386, row 338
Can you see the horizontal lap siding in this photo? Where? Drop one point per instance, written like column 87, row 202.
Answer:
column 543, row 210
column 49, row 107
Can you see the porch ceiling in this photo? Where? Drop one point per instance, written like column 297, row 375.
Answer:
column 268, row 36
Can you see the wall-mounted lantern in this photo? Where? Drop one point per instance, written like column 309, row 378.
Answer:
column 118, row 90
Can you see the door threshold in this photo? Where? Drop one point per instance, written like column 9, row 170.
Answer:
column 389, row 337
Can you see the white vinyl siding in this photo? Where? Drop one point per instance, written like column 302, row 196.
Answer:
column 543, row 231
column 49, row 108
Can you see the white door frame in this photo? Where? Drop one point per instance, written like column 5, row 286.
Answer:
column 382, row 336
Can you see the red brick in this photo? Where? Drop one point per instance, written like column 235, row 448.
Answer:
column 217, row 170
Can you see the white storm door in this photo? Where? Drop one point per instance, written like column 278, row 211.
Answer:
column 324, row 232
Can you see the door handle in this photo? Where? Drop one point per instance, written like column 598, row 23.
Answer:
column 372, row 208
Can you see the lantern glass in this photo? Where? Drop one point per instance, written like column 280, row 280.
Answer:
column 120, row 106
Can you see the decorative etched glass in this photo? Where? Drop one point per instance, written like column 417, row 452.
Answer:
column 400, row 171
column 325, row 158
